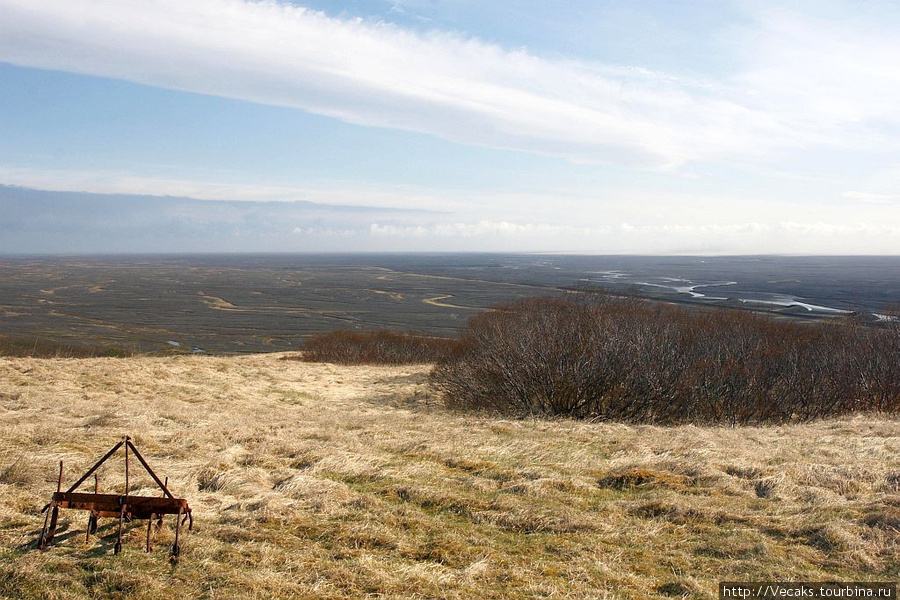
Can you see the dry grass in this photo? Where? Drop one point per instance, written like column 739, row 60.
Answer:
column 317, row 481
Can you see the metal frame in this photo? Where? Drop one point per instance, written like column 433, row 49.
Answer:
column 121, row 506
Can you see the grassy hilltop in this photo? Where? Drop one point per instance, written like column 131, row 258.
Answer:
column 319, row 481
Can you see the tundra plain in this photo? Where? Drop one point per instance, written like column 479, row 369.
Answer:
column 265, row 303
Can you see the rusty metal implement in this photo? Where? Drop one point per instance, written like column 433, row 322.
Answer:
column 124, row 507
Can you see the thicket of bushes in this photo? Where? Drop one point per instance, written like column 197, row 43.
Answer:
column 627, row 360
column 381, row 347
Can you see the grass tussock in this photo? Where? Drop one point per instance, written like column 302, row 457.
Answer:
column 613, row 359
column 383, row 347
column 361, row 491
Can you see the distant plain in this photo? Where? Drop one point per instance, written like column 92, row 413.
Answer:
column 256, row 303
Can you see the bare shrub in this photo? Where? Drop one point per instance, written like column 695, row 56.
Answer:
column 609, row 358
column 381, row 347
column 538, row 356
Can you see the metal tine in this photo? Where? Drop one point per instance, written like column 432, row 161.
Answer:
column 176, row 548
column 92, row 518
column 118, row 546
column 149, row 529
column 50, row 519
column 42, row 543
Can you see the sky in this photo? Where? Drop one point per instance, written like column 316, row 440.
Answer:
column 590, row 126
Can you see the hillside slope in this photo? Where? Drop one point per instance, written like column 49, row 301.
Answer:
column 317, row 481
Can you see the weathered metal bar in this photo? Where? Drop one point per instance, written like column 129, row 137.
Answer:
column 150, row 471
column 94, row 515
column 159, row 518
column 95, row 467
column 127, row 443
column 139, row 507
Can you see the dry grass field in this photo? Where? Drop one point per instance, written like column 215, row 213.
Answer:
column 318, row 481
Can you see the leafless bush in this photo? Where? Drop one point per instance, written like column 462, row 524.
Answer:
column 381, row 347
column 623, row 359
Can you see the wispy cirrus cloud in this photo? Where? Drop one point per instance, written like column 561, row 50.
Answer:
column 392, row 197
column 377, row 74
column 834, row 78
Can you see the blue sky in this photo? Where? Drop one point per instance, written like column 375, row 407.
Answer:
column 585, row 126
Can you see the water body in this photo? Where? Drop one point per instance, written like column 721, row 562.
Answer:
column 758, row 299
column 816, row 286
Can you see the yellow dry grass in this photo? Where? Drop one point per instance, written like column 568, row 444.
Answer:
column 318, row 481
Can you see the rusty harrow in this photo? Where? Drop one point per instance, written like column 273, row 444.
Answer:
column 124, row 506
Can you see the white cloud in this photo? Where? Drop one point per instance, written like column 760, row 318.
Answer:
column 870, row 197
column 631, row 222
column 817, row 228
column 484, row 228
column 834, row 79
column 377, row 74
column 784, row 237
column 324, row 231
column 582, row 219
